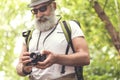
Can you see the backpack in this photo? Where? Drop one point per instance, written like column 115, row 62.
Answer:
column 67, row 32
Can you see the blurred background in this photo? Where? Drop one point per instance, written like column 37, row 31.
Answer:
column 15, row 17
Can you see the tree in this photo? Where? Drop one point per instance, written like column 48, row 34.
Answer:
column 109, row 26
column 16, row 17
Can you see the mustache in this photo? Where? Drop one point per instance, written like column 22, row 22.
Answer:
column 42, row 18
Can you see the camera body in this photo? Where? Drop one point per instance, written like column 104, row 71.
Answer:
column 35, row 57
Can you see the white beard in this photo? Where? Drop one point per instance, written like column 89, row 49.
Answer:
column 45, row 22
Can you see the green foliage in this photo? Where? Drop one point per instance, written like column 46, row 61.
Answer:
column 10, row 29
column 104, row 66
column 15, row 17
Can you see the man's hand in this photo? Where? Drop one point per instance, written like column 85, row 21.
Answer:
column 50, row 60
column 25, row 58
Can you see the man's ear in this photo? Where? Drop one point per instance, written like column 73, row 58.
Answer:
column 54, row 5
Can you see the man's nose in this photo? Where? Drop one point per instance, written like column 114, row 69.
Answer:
column 39, row 14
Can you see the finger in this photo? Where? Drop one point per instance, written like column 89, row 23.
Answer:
column 26, row 61
column 25, row 58
column 46, row 52
column 45, row 63
column 43, row 67
column 41, row 63
column 26, row 54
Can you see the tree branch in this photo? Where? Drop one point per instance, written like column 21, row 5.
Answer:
column 108, row 25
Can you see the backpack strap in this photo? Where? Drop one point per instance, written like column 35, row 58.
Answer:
column 27, row 35
column 67, row 32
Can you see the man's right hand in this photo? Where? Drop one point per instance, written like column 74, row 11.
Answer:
column 25, row 58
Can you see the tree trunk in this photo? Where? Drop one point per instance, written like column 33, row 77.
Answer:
column 108, row 25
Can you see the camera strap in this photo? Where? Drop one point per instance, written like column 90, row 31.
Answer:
column 51, row 31
column 38, row 41
column 46, row 36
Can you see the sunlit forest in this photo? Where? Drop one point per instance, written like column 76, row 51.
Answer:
column 15, row 17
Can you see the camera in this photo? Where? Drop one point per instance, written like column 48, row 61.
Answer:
column 35, row 57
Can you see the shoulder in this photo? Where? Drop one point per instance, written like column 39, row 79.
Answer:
column 74, row 23
column 76, row 28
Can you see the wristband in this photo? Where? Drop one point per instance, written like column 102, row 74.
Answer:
column 24, row 72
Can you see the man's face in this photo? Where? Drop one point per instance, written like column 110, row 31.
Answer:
column 44, row 16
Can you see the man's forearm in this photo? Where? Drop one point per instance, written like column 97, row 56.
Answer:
column 75, row 59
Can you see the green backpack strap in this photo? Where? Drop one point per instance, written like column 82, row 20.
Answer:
column 27, row 35
column 67, row 32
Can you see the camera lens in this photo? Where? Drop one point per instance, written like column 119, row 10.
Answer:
column 33, row 55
